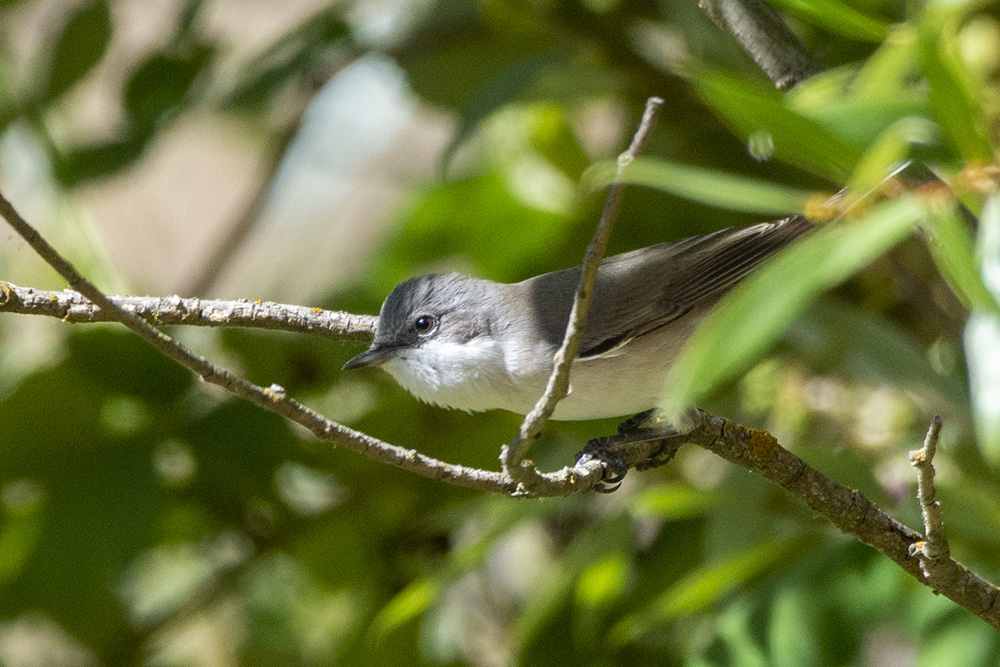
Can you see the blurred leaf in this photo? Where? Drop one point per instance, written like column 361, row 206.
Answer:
column 753, row 110
column 79, row 47
column 160, row 83
column 862, row 121
column 838, row 18
column 671, row 502
column 85, row 163
column 836, row 334
column 475, row 220
column 602, row 582
column 891, row 69
column 407, row 605
column 121, row 363
column 952, row 98
column 755, row 313
column 706, row 586
column 951, row 247
column 793, row 628
column 21, row 524
column 713, row 188
column 504, row 88
column 887, row 153
column 294, row 56
column 988, row 246
column 552, row 136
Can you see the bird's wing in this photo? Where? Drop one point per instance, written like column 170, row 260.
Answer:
column 655, row 286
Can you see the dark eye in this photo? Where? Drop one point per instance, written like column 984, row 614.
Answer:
column 424, row 323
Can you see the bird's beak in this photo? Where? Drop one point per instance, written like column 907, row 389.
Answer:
column 373, row 356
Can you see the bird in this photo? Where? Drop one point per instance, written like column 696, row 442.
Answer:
column 474, row 344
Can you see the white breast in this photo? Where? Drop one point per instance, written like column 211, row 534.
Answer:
column 467, row 376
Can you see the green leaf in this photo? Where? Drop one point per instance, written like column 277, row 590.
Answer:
column 870, row 347
column 705, row 586
column 753, row 315
column 755, row 111
column 160, row 83
column 407, row 605
column 94, row 161
column 714, row 188
column 891, row 69
column 837, row 18
column 671, row 502
column 887, row 153
column 950, row 243
column 860, row 121
column 506, row 87
column 80, row 46
column 953, row 101
column 602, row 583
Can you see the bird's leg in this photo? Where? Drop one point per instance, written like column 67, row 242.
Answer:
column 653, row 416
column 649, row 447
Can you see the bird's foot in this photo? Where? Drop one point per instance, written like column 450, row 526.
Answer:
column 645, row 439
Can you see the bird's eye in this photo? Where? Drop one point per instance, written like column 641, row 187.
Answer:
column 424, row 323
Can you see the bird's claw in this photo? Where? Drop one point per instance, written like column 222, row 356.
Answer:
column 615, row 468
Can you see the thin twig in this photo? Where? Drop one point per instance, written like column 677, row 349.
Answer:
column 73, row 307
column 848, row 509
column 272, row 398
column 766, row 38
column 513, row 457
column 933, row 553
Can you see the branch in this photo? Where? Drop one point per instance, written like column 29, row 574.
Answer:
column 848, row 509
column 272, row 398
column 766, row 38
column 755, row 450
column 940, row 571
column 513, row 457
column 73, row 307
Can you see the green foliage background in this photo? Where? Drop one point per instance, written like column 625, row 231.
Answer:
column 145, row 519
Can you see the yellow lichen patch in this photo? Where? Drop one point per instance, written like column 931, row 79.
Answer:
column 317, row 310
column 821, row 207
column 6, row 291
column 257, row 302
column 762, row 442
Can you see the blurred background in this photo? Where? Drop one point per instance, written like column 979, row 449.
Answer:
column 318, row 153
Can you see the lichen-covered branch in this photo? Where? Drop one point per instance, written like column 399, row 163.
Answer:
column 940, row 571
column 72, row 306
column 848, row 509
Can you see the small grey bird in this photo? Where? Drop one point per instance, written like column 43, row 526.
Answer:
column 475, row 345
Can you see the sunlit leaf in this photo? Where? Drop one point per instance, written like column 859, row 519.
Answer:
column 752, row 110
column 952, row 98
column 837, row 18
column 705, row 586
column 890, row 70
column 602, row 582
column 887, row 153
column 751, row 317
column 408, row 604
column 714, row 188
column 950, row 242
column 80, row 46
column 670, row 502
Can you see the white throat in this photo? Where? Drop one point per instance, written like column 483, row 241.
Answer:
column 469, row 376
